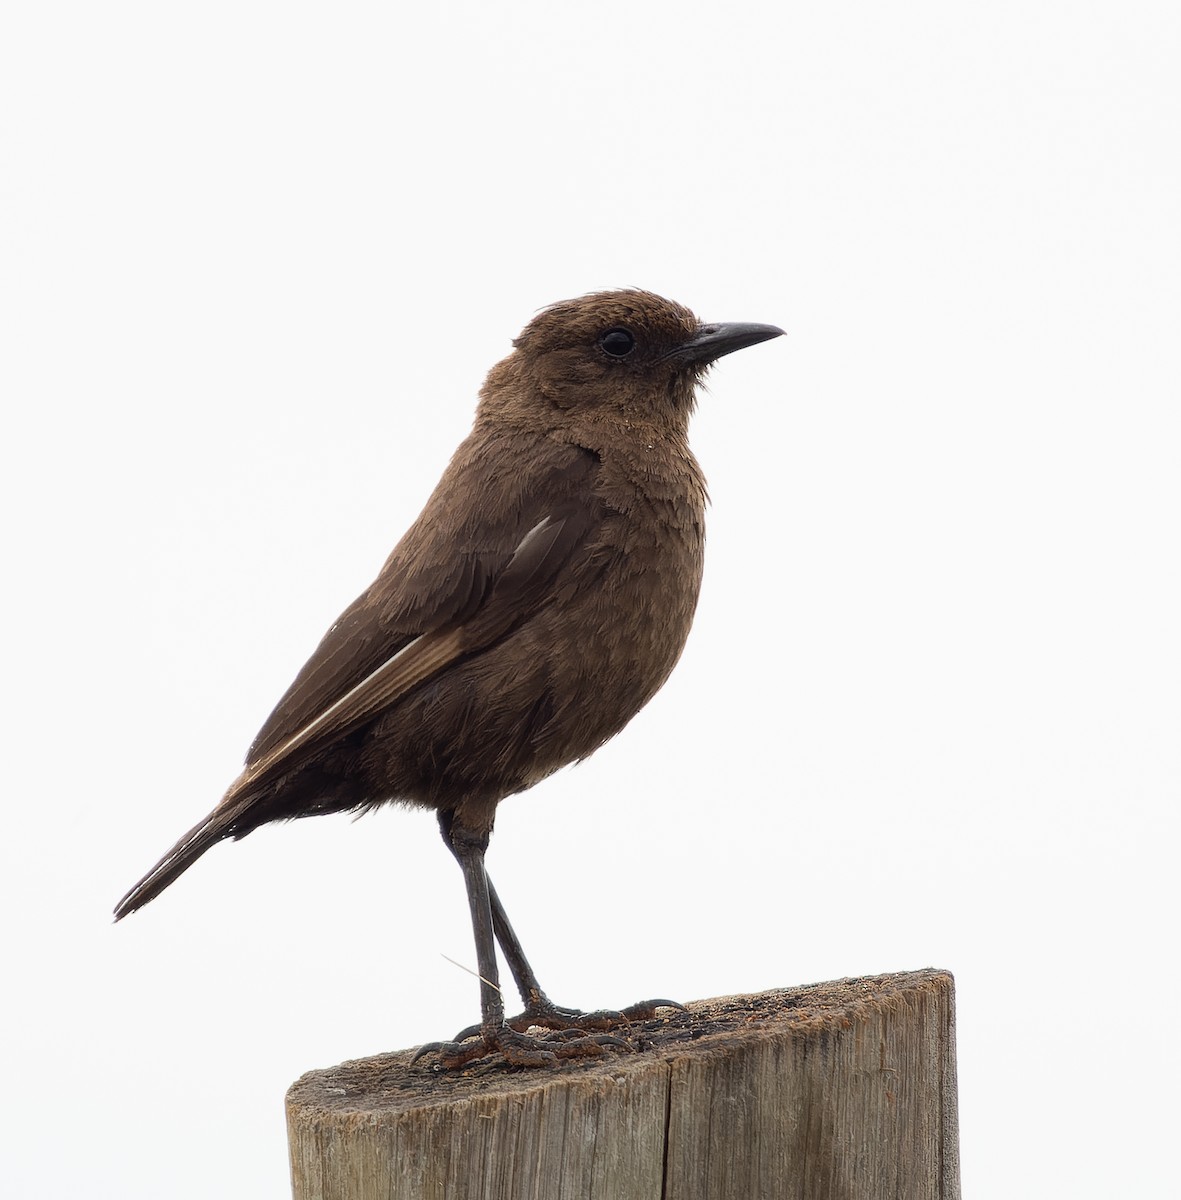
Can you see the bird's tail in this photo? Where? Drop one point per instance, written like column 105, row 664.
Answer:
column 225, row 821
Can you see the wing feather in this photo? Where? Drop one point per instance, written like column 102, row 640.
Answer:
column 398, row 634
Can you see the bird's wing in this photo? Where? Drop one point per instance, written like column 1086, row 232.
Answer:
column 359, row 641
column 398, row 634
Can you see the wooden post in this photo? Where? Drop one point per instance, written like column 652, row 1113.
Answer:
column 838, row 1091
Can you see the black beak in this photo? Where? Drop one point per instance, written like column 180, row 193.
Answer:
column 710, row 342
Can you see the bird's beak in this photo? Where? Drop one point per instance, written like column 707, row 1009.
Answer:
column 710, row 342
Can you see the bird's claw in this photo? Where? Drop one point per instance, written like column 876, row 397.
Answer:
column 571, row 1034
column 517, row 1048
column 545, row 1014
column 645, row 1010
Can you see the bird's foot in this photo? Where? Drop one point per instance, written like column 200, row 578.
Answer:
column 518, row 1048
column 545, row 1014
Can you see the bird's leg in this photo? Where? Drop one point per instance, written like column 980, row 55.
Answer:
column 475, row 878
column 531, row 994
column 493, row 1033
column 540, row 1010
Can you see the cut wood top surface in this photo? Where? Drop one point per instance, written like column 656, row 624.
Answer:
column 391, row 1083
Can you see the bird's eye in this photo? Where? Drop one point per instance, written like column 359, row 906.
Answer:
column 618, row 343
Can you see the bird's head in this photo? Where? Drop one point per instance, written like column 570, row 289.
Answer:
column 628, row 354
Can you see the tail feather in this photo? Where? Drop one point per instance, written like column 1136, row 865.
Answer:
column 225, row 821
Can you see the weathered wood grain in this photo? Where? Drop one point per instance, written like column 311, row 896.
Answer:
column 838, row 1091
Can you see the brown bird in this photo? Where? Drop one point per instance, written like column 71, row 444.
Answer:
column 536, row 605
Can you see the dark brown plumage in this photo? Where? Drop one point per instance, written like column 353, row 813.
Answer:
column 539, row 601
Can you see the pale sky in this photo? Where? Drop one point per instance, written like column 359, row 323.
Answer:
column 255, row 260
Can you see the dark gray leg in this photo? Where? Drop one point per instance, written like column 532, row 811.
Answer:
column 489, row 923
column 471, row 863
column 540, row 1010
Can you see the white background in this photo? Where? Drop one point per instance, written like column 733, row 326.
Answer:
column 256, row 261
